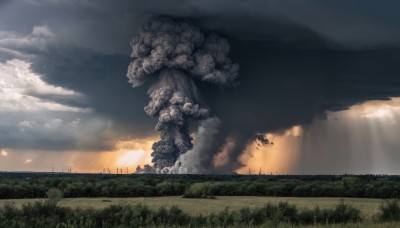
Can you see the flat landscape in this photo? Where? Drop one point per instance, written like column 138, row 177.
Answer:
column 368, row 207
column 97, row 200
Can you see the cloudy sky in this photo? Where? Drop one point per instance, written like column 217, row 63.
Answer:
column 320, row 79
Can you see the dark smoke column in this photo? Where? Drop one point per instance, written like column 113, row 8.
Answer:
column 176, row 52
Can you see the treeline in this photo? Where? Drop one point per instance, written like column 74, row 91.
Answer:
column 36, row 186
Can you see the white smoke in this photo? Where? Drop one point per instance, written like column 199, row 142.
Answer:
column 191, row 161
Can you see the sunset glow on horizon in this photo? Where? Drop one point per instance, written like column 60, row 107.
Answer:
column 127, row 154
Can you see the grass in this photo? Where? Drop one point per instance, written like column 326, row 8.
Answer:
column 368, row 207
column 356, row 225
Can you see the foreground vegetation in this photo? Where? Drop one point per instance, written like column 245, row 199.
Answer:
column 16, row 186
column 367, row 207
column 49, row 214
column 201, row 200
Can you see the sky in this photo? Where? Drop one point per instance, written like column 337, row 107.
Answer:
column 320, row 79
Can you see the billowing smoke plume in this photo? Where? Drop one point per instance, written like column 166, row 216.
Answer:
column 176, row 52
column 193, row 161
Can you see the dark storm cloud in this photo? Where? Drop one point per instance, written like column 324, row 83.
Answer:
column 106, row 26
column 282, row 88
column 54, row 131
column 297, row 59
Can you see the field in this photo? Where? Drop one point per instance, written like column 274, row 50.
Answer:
column 368, row 207
column 96, row 200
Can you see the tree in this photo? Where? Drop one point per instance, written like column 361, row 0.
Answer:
column 54, row 195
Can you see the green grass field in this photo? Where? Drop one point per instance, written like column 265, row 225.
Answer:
column 368, row 207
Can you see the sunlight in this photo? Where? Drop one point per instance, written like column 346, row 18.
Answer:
column 130, row 158
column 125, row 154
column 275, row 158
column 4, row 153
column 383, row 112
column 358, row 140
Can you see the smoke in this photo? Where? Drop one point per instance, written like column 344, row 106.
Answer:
column 196, row 159
column 164, row 43
column 175, row 53
column 262, row 139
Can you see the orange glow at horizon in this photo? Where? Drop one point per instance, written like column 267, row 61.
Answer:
column 276, row 158
column 129, row 158
column 127, row 154
column 221, row 158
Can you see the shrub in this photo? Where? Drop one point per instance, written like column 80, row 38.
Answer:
column 47, row 214
column 342, row 213
column 177, row 216
column 244, row 216
column 9, row 211
column 199, row 190
column 54, row 195
column 283, row 212
column 38, row 209
column 307, row 216
column 226, row 217
column 389, row 211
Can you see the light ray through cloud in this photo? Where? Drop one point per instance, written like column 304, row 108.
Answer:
column 3, row 153
column 360, row 140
